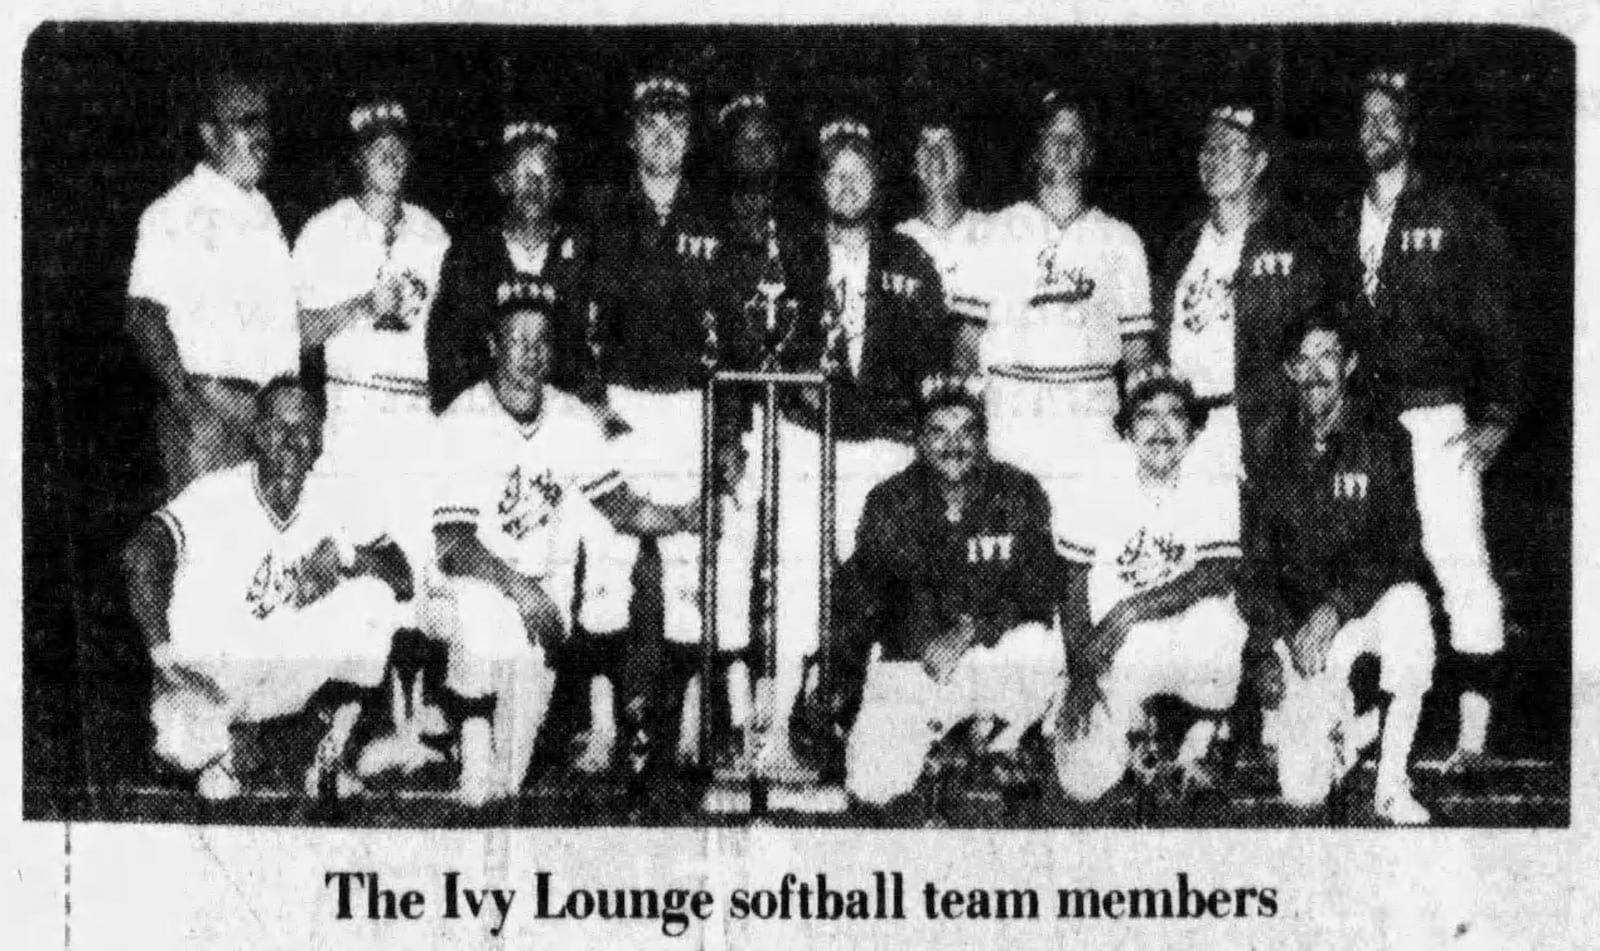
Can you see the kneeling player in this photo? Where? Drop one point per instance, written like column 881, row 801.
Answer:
column 1161, row 546
column 525, row 470
column 951, row 599
column 1334, row 557
column 253, row 599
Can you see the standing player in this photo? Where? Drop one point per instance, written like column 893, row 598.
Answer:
column 253, row 597
column 367, row 270
column 892, row 336
column 1333, row 561
column 1161, row 548
column 754, row 153
column 660, row 267
column 211, row 301
column 524, row 470
column 1071, row 299
column 952, row 580
column 1233, row 281
column 947, row 229
column 1429, row 274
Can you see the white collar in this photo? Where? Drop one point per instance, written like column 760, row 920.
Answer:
column 214, row 184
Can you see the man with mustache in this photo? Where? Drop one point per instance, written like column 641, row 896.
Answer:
column 1333, row 561
column 211, row 295
column 1158, row 550
column 254, row 598
column 1428, row 276
column 1231, row 283
column 524, row 475
column 949, row 606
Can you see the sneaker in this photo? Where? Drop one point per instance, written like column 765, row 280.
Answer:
column 1397, row 805
column 217, row 782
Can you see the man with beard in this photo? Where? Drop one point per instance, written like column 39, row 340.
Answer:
column 949, row 594
column 1333, row 562
column 881, row 297
column 1070, row 296
column 254, row 599
column 1231, row 284
column 211, row 299
column 1160, row 549
column 1427, row 272
column 524, row 474
column 948, row 231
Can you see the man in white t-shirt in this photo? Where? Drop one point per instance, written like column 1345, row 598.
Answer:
column 1070, row 295
column 947, row 230
column 523, row 475
column 367, row 272
column 211, row 302
column 255, row 598
column 1161, row 546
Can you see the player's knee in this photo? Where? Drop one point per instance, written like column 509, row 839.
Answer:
column 189, row 733
column 1088, row 767
column 1408, row 653
column 1304, row 776
column 879, row 764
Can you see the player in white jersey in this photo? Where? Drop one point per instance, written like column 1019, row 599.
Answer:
column 1070, row 293
column 254, row 597
column 1162, row 550
column 211, row 304
column 367, row 273
column 523, row 473
column 949, row 231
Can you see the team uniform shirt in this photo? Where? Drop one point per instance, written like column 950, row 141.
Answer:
column 458, row 334
column 520, row 485
column 956, row 255
column 1135, row 538
column 1437, row 319
column 215, row 257
column 1334, row 524
column 343, row 253
column 1201, row 349
column 914, row 571
column 240, row 565
column 1063, row 299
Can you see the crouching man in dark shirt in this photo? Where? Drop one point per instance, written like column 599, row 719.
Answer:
column 950, row 606
column 1333, row 555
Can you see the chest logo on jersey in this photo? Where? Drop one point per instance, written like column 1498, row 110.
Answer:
column 567, row 250
column 1059, row 282
column 275, row 584
column 900, row 285
column 986, row 548
column 699, row 247
column 1149, row 559
column 527, row 502
column 1272, row 264
column 1422, row 239
column 1206, row 300
column 1351, row 486
column 525, row 289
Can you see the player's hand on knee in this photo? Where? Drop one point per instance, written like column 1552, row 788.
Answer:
column 1309, row 648
column 1479, row 445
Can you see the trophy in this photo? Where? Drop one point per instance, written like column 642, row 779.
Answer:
column 770, row 314
column 390, row 289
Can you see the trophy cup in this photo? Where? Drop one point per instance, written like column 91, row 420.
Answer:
column 770, row 314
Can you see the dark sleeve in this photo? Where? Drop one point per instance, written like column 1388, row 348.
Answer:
column 1487, row 273
column 456, row 336
column 1264, row 605
column 1394, row 549
column 576, row 370
column 864, row 583
column 1167, row 271
column 930, row 314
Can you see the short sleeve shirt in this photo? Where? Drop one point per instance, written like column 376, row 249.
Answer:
column 1135, row 537
column 343, row 253
column 215, row 257
column 520, row 485
column 1062, row 298
column 238, row 563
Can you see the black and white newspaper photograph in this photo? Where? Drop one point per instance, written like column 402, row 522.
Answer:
column 676, row 478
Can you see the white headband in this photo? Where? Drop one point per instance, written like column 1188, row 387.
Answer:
column 532, row 292
column 660, row 85
column 749, row 101
column 834, row 130
column 1241, row 116
column 528, row 130
column 364, row 116
column 1388, row 79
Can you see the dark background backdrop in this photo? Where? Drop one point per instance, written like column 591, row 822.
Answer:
column 106, row 129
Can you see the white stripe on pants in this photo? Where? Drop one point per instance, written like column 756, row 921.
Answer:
column 1450, row 505
column 904, row 711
